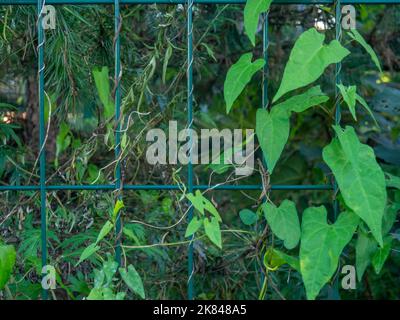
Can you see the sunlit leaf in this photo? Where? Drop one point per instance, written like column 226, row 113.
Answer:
column 308, row 60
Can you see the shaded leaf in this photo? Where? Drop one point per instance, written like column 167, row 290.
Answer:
column 349, row 96
column 284, row 222
column 238, row 76
column 248, row 217
column 7, row 262
column 91, row 249
column 381, row 255
column 366, row 246
column 133, row 280
column 355, row 35
column 101, row 79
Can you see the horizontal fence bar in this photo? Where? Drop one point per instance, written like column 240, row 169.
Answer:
column 166, row 187
column 83, row 2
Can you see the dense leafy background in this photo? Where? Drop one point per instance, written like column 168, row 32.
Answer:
column 153, row 40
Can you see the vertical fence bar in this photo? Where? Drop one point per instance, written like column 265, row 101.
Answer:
column 338, row 68
column 190, row 120
column 42, row 137
column 265, row 56
column 117, row 99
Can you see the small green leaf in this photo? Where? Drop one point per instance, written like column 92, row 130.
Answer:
column 248, row 217
column 321, row 246
column 7, row 262
column 359, row 176
column 118, row 206
column 91, row 249
column 392, row 181
column 105, row 230
column 193, row 226
column 101, row 79
column 63, row 140
column 366, row 107
column 366, row 246
column 213, row 231
column 274, row 258
column 238, row 76
column 355, row 35
column 252, row 12
column 381, row 255
column 308, row 60
column 389, row 218
column 349, row 96
column 201, row 203
column 284, row 222
column 168, row 55
column 133, row 280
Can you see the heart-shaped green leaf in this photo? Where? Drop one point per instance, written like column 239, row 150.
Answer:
column 360, row 178
column 321, row 246
column 284, row 222
column 308, row 60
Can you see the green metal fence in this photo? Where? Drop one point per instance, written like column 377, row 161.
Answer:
column 43, row 187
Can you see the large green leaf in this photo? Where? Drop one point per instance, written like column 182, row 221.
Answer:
column 7, row 262
column 133, row 280
column 213, row 231
column 321, row 246
column 272, row 128
column 284, row 222
column 252, row 11
column 360, row 178
column 238, row 76
column 308, row 60
column 355, row 35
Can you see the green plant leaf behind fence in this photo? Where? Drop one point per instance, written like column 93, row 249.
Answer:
column 252, row 12
column 7, row 262
column 284, row 222
column 308, row 60
column 360, row 178
column 238, row 76
column 321, row 246
column 272, row 128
